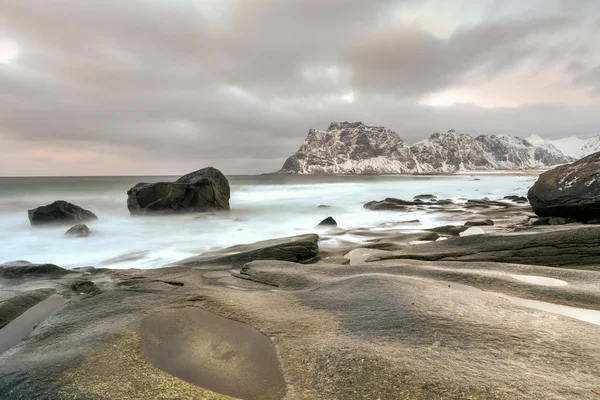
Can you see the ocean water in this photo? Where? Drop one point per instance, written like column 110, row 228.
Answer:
column 263, row 207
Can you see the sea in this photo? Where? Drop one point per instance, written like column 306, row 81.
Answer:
column 262, row 207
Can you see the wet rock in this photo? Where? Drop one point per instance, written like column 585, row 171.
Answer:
column 569, row 191
column 59, row 212
column 300, row 248
column 21, row 269
column 204, row 190
column 485, row 222
column 329, row 221
column 79, row 230
column 323, row 206
column 444, row 202
column 84, row 286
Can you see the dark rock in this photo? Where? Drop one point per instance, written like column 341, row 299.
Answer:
column 323, row 206
column 60, row 212
column 20, row 269
column 452, row 230
column 300, row 248
column 485, row 222
column 444, row 202
column 560, row 221
column 512, row 197
column 79, row 230
column 563, row 248
column 569, row 191
column 329, row 221
column 425, row 197
column 200, row 191
column 391, row 204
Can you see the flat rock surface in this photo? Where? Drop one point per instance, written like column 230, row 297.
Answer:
column 388, row 329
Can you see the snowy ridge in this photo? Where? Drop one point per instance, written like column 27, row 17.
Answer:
column 571, row 146
column 355, row 148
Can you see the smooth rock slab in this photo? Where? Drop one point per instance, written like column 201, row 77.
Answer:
column 213, row 352
column 566, row 248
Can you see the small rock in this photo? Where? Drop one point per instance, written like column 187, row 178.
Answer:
column 79, row 230
column 485, row 222
column 425, row 197
column 323, row 206
column 329, row 221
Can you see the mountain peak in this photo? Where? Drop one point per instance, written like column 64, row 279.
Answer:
column 355, row 148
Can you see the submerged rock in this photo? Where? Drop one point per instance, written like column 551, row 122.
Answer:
column 569, row 191
column 79, row 230
column 204, row 190
column 329, row 221
column 59, row 212
column 391, row 204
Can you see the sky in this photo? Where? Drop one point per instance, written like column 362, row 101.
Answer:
column 161, row 87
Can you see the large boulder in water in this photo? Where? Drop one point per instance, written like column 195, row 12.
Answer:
column 200, row 191
column 569, row 191
column 59, row 212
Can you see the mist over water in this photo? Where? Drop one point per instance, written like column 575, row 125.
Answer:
column 263, row 207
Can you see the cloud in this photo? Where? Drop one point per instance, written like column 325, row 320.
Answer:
column 174, row 85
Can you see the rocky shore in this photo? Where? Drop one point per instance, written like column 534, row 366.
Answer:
column 505, row 306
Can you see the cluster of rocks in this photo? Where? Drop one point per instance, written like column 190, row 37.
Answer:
column 204, row 190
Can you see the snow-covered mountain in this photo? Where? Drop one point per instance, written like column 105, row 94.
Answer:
column 355, row 148
column 570, row 146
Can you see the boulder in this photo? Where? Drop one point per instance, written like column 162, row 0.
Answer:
column 79, row 230
column 329, row 221
column 59, row 212
column 200, row 191
column 569, row 191
column 300, row 248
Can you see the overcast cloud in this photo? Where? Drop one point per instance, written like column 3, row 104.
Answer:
column 167, row 86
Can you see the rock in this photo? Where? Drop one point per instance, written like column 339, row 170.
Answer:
column 474, row 230
column 200, row 191
column 59, row 212
column 452, row 230
column 323, row 206
column 300, row 248
column 21, row 269
column 485, row 222
column 79, row 230
column 575, row 248
column 444, row 202
column 329, row 221
column 390, row 204
column 569, row 191
column 425, row 197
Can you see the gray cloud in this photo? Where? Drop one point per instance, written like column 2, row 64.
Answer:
column 173, row 85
